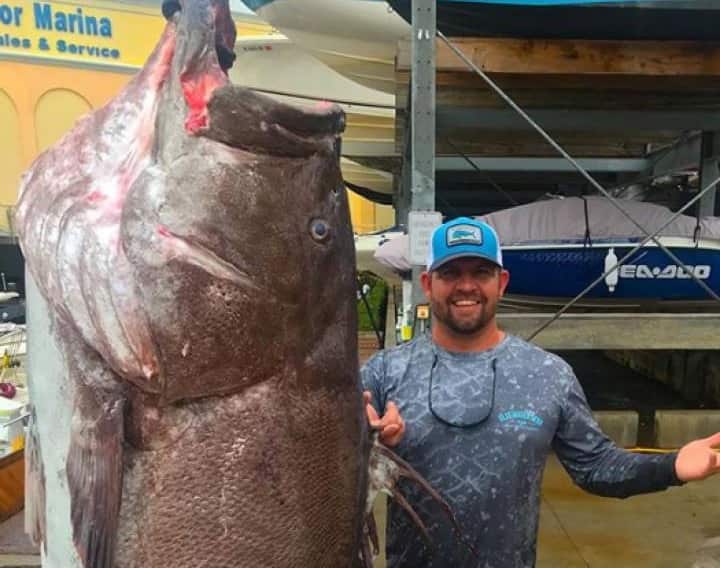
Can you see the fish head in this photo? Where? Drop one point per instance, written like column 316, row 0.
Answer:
column 239, row 234
column 196, row 234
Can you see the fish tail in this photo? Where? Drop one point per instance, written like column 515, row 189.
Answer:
column 94, row 470
column 387, row 468
column 34, row 485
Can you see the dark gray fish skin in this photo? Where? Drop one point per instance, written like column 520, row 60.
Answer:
column 193, row 241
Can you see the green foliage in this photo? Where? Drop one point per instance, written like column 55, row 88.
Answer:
column 377, row 299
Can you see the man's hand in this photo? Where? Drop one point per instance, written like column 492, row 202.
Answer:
column 699, row 459
column 391, row 426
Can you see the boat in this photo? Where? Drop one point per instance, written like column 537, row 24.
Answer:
column 12, row 483
column 271, row 63
column 356, row 38
column 555, row 249
column 12, row 458
column 658, row 20
column 365, row 247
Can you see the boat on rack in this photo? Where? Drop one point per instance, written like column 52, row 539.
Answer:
column 576, row 19
column 365, row 247
column 555, row 249
column 356, row 38
column 272, row 64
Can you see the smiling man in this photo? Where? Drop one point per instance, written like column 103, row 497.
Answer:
column 477, row 412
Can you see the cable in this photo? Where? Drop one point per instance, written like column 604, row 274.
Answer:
column 572, row 302
column 572, row 160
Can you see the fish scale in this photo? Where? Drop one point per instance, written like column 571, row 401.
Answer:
column 239, row 525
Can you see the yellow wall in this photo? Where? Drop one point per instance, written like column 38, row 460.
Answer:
column 39, row 103
column 40, row 99
column 11, row 163
column 56, row 113
column 367, row 216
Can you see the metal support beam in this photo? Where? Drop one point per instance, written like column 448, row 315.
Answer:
column 709, row 171
column 404, row 182
column 528, row 164
column 684, row 155
column 618, row 331
column 580, row 120
column 422, row 130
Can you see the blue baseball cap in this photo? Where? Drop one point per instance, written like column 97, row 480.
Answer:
column 463, row 237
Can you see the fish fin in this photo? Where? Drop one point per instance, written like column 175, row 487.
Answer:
column 369, row 538
column 366, row 556
column 94, row 470
column 371, row 528
column 34, row 485
column 386, row 469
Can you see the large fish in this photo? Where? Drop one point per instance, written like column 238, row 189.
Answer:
column 193, row 241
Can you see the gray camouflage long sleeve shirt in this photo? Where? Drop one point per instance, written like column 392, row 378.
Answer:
column 480, row 427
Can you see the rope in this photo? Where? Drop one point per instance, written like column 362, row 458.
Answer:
column 550, row 140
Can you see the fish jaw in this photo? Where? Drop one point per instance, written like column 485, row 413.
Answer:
column 203, row 22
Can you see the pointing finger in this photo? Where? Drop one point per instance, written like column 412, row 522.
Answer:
column 392, row 414
column 373, row 417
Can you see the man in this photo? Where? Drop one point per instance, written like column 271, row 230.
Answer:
column 477, row 412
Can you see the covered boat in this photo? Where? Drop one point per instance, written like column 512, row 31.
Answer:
column 576, row 19
column 554, row 249
column 356, row 38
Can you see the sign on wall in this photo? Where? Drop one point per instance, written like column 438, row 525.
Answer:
column 86, row 32
column 421, row 225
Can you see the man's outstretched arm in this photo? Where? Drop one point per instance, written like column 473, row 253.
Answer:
column 597, row 465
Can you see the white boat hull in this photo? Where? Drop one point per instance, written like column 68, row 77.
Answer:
column 273, row 64
column 357, row 38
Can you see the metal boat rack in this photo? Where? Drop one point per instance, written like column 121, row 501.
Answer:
column 628, row 111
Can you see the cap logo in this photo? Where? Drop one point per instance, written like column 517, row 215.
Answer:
column 464, row 234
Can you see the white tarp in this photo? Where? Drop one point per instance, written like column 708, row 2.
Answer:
column 561, row 219
column 564, row 219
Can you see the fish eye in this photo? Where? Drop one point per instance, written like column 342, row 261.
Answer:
column 319, row 230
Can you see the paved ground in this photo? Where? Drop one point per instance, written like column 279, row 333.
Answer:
column 15, row 548
column 658, row 530
column 677, row 528
column 661, row 530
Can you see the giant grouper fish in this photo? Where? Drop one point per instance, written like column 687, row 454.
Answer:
column 193, row 243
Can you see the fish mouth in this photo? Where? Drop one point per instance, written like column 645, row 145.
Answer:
column 225, row 34
column 221, row 19
column 230, row 114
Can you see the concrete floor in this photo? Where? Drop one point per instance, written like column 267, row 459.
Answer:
column 660, row 530
column 577, row 530
column 15, row 548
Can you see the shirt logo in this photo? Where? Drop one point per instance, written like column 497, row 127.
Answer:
column 524, row 419
column 464, row 234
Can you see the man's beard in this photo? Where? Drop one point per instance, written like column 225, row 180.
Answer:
column 466, row 326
